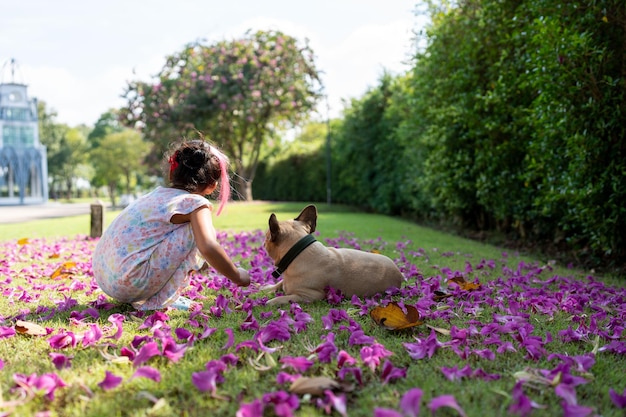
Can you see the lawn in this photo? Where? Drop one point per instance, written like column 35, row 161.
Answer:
column 498, row 333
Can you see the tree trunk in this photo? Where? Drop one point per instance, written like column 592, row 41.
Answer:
column 244, row 189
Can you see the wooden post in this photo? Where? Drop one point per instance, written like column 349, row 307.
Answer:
column 97, row 217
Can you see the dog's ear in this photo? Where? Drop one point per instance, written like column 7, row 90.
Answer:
column 308, row 216
column 274, row 227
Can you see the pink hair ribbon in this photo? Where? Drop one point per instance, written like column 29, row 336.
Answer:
column 173, row 162
column 225, row 182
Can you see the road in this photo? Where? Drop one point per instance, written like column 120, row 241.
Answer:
column 25, row 213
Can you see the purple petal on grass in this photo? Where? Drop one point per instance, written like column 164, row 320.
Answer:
column 454, row 373
column 155, row 320
column 59, row 360
column 344, row 358
column 359, row 337
column 146, row 352
column 116, row 320
column 299, row 364
column 231, row 339
column 411, row 402
column 445, row 401
column 63, row 340
column 327, row 350
column 618, row 400
column 356, row 372
column 284, row 378
column 171, row 350
column 423, row 347
column 6, row 332
column 337, row 402
column 206, row 380
column 49, row 383
column 147, row 372
column 110, row 381
column 1, row 364
column 371, row 355
column 284, row 403
column 390, row 372
column 91, row 336
column 574, row 410
column 182, row 333
column 229, row 359
column 520, row 404
column 253, row 409
column 567, row 392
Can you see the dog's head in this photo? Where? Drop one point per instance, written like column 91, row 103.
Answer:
column 282, row 235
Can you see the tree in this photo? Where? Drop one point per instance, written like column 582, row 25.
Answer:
column 119, row 156
column 107, row 123
column 51, row 135
column 239, row 93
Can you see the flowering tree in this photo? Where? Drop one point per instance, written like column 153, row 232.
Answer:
column 237, row 93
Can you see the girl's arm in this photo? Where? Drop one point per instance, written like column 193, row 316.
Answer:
column 211, row 250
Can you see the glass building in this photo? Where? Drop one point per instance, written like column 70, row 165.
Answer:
column 23, row 163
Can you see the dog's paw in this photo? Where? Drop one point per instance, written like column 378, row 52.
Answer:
column 271, row 287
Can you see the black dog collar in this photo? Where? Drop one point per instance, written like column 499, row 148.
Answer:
column 295, row 250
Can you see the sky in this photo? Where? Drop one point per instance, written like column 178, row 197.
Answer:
column 77, row 56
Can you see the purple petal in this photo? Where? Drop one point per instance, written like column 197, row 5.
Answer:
column 411, row 402
column 521, row 404
column 63, row 340
column 49, row 383
column 110, row 381
column 205, row 380
column 573, row 410
column 445, row 401
column 253, row 409
column 231, row 339
column 146, row 352
column 6, row 332
column 618, row 400
column 360, row 338
column 147, row 372
column 59, row 360
column 567, row 392
column 299, row 364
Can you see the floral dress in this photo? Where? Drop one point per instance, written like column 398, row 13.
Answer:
column 144, row 259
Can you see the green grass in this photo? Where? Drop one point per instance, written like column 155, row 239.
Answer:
column 176, row 394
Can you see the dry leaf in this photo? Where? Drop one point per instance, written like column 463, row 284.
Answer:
column 467, row 286
column 22, row 241
column 54, row 256
column 314, row 386
column 440, row 295
column 64, row 270
column 32, row 329
column 393, row 317
column 439, row 330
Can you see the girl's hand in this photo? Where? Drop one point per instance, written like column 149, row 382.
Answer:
column 244, row 278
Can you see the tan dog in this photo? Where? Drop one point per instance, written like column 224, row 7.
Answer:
column 314, row 266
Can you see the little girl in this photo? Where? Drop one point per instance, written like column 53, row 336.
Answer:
column 146, row 254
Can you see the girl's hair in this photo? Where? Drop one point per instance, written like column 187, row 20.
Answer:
column 196, row 164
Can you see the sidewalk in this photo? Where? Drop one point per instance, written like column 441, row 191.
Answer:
column 25, row 213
